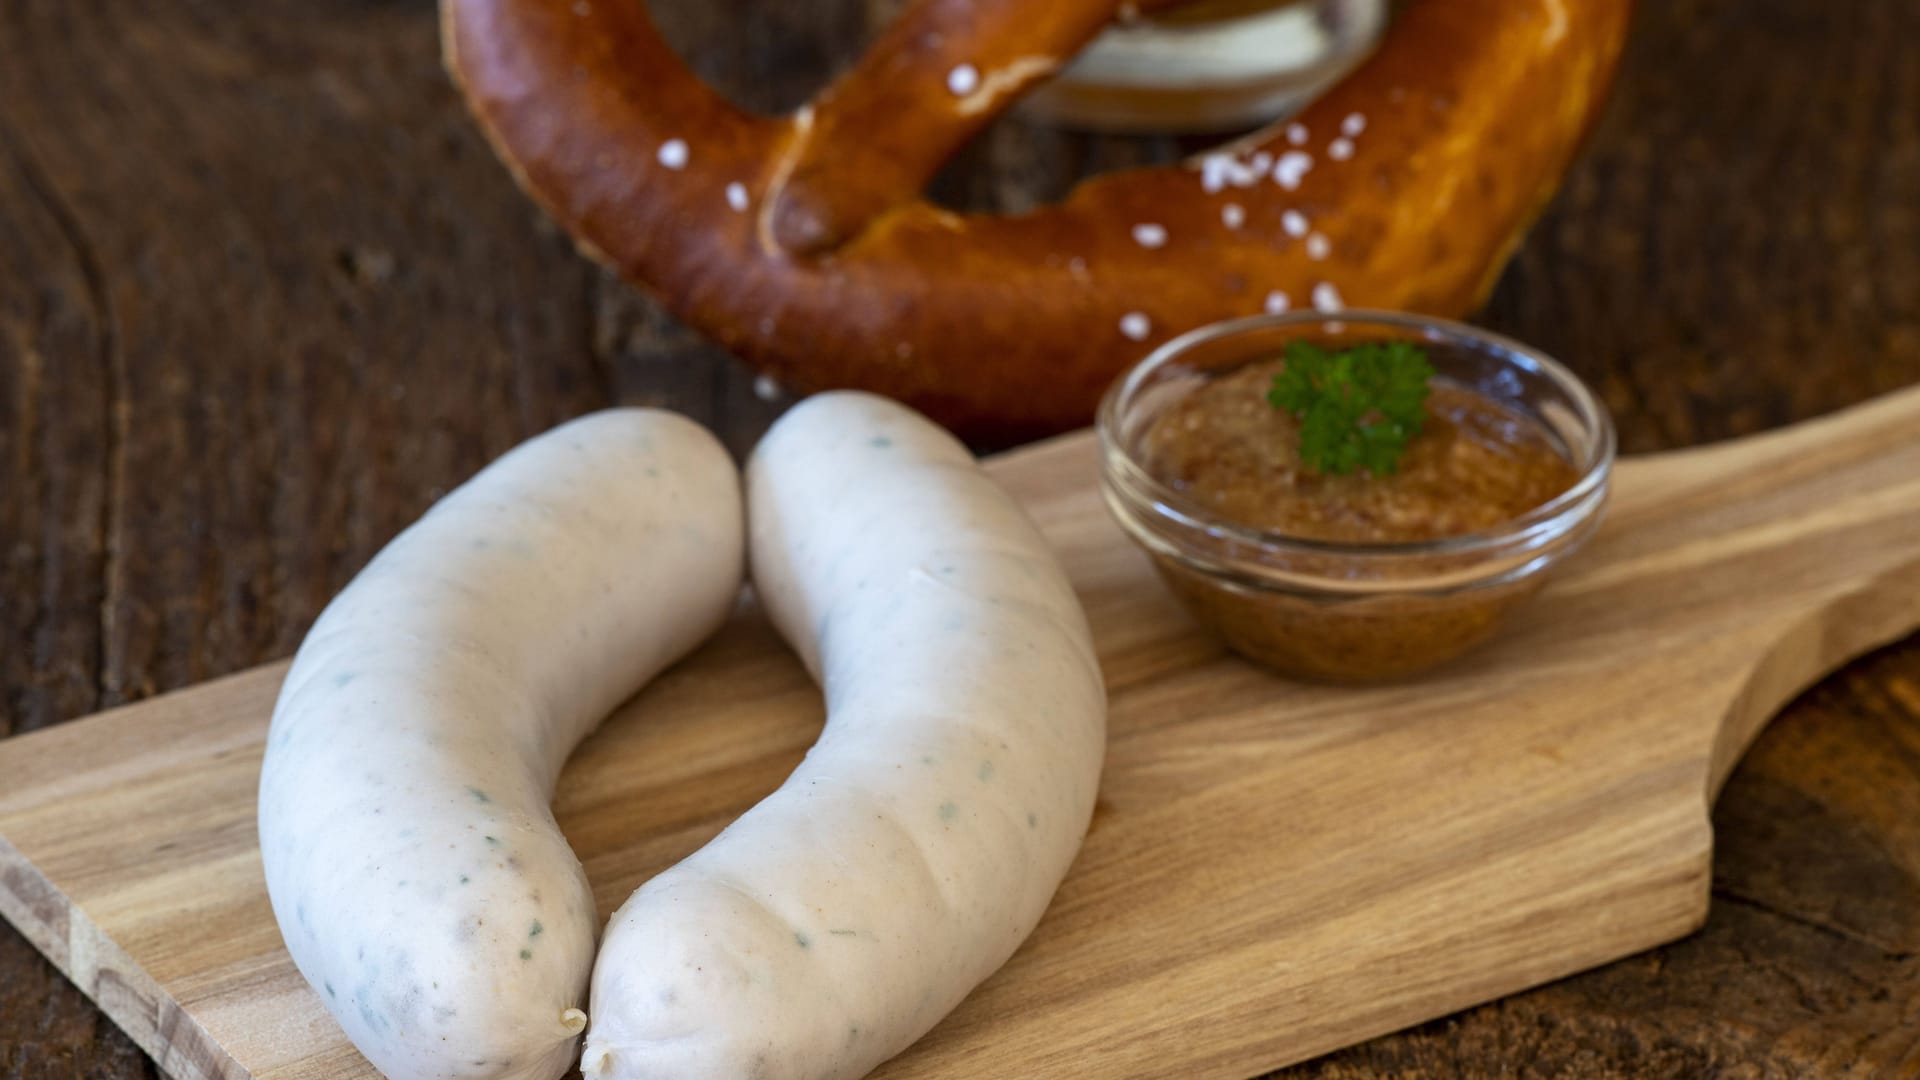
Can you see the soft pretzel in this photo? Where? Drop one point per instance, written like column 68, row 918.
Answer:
column 801, row 242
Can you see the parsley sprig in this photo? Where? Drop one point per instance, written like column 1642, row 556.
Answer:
column 1357, row 408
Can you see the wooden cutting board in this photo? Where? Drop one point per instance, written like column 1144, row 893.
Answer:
column 1274, row 870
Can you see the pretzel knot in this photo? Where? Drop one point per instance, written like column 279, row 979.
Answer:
column 802, row 243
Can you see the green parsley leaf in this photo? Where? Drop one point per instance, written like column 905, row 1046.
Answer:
column 1357, row 408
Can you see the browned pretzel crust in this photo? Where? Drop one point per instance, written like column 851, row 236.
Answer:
column 801, row 242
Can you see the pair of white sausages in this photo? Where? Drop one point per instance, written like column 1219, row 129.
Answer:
column 416, row 871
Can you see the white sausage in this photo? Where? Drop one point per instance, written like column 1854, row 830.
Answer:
column 922, row 837
column 415, row 868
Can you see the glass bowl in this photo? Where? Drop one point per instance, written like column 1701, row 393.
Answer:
column 1211, row 65
column 1354, row 612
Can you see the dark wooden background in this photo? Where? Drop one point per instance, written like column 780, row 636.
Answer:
column 264, row 295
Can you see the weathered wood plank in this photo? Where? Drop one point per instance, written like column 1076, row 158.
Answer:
column 55, row 451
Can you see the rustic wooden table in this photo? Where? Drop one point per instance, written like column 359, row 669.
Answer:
column 264, row 294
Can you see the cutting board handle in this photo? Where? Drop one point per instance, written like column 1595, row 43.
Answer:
column 1804, row 541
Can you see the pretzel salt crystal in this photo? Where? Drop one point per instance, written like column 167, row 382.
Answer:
column 800, row 243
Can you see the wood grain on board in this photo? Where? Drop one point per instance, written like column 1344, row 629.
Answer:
column 1274, row 870
column 264, row 294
